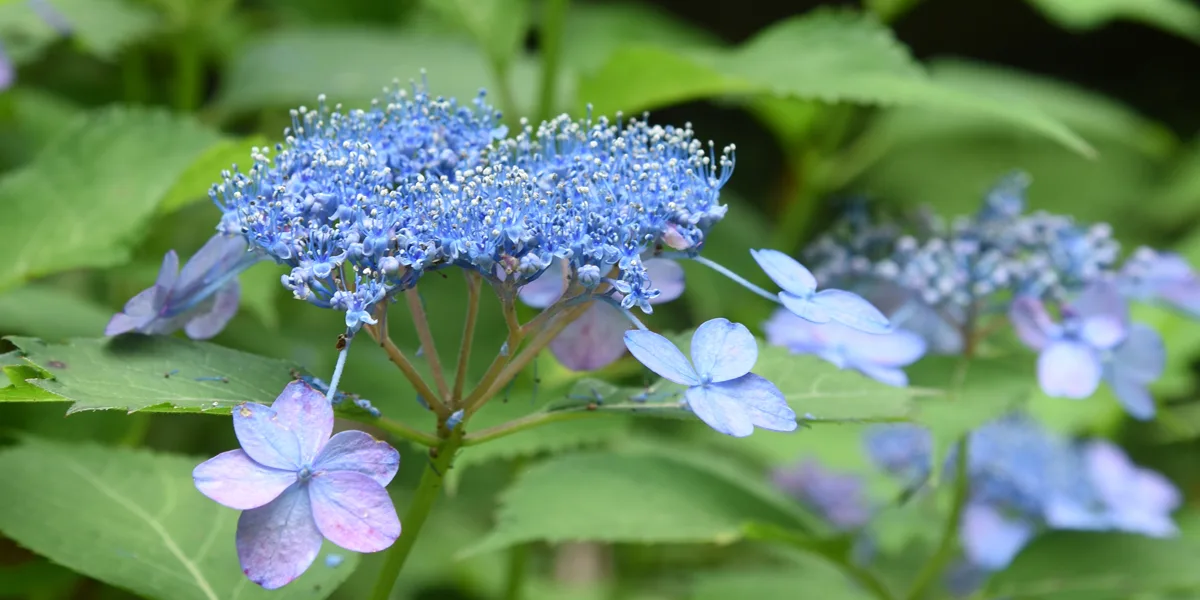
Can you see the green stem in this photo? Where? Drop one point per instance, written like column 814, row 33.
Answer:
column 133, row 76
column 529, row 422
column 427, row 493
column 379, row 333
column 553, row 22
column 421, row 322
column 464, row 349
column 518, row 556
column 948, row 544
column 189, row 71
column 404, row 432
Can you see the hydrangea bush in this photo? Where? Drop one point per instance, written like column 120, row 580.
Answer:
column 608, row 375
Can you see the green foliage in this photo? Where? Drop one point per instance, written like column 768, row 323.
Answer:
column 498, row 26
column 827, row 56
column 51, row 313
column 594, row 31
column 1179, row 17
column 155, row 374
column 146, row 529
column 86, row 198
column 101, row 27
column 637, row 497
column 1098, row 566
column 193, row 185
column 816, row 387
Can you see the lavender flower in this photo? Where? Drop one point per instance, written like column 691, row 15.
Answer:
column 1163, row 277
column 596, row 339
column 903, row 450
column 297, row 486
column 201, row 298
column 8, row 72
column 838, row 498
column 878, row 356
column 800, row 295
column 722, row 391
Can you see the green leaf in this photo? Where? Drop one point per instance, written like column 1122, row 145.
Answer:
column 816, row 579
column 101, row 27
column 85, row 200
column 1098, row 566
column 194, row 183
column 635, row 498
column 51, row 313
column 1177, row 196
column 1179, row 17
column 351, row 66
column 824, row 55
column 154, row 373
column 17, row 388
column 596, row 30
column 260, row 291
column 818, row 389
column 498, row 26
column 133, row 519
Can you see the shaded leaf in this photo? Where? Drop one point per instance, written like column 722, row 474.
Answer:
column 1179, row 17
column 100, row 27
column 133, row 519
column 824, row 55
column 635, row 498
column 154, row 373
column 84, row 201
column 819, row 391
column 596, row 30
column 498, row 26
column 51, row 313
column 194, row 183
column 1098, row 566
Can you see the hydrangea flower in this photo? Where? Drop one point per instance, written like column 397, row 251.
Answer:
column 800, row 295
column 1165, row 277
column 903, row 450
column 297, row 486
column 991, row 538
column 201, row 298
column 8, row 72
column 840, row 499
column 1094, row 342
column 1129, row 498
column 722, row 391
column 596, row 339
column 878, row 356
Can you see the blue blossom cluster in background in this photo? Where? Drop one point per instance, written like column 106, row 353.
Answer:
column 947, row 282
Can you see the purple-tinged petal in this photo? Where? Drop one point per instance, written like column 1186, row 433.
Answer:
column 138, row 312
column 991, row 540
column 722, row 350
column 1103, row 315
column 666, row 275
column 1066, row 513
column 1068, row 369
column 353, row 511
column 661, row 356
column 593, row 341
column 883, row 374
column 804, row 307
column 1183, row 295
column 896, row 349
column 788, row 330
column 168, row 273
column 1142, row 356
column 851, row 309
column 276, row 543
column 213, row 260
column 736, row 407
column 938, row 330
column 265, row 438
column 546, row 289
column 359, row 452
column 1032, row 323
column 223, row 307
column 233, row 479
column 309, row 416
column 786, row 272
column 1133, row 395
column 1139, row 499
column 8, row 73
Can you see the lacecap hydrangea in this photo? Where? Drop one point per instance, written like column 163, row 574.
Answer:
column 583, row 218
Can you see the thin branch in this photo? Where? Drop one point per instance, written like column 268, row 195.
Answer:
column 417, row 308
column 405, row 432
column 464, row 349
column 379, row 334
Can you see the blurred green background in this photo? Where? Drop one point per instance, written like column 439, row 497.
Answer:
column 122, row 113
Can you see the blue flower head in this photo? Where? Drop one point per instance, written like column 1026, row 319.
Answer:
column 1161, row 277
column 840, row 499
column 296, row 486
column 722, row 391
column 878, row 356
column 201, row 298
column 800, row 295
column 903, row 450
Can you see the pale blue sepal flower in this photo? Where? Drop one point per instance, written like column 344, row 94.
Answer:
column 800, row 295
column 992, row 539
column 1132, row 366
column 297, row 486
column 902, row 449
column 1136, row 500
column 722, row 391
column 839, row 498
column 201, row 298
column 878, row 356
column 1163, row 277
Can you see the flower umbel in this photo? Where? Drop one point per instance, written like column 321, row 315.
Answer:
column 297, row 485
column 721, row 389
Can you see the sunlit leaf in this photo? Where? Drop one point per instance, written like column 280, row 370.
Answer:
column 133, row 519
column 595, row 30
column 194, row 183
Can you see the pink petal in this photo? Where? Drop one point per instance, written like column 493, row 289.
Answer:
column 265, row 438
column 233, row 479
column 309, row 416
column 359, row 452
column 354, row 511
column 593, row 341
column 276, row 543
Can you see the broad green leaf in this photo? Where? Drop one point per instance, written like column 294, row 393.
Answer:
column 824, row 55
column 193, row 185
column 819, row 391
column 84, row 201
column 1177, row 196
column 101, row 27
column 51, row 313
column 352, row 66
column 595, row 30
column 133, row 519
column 34, row 118
column 817, row 580
column 1098, row 566
column 1179, row 17
column 260, row 292
column 919, row 156
column 634, row 498
column 36, row 579
column 154, row 373
column 498, row 26
column 890, row 10
column 16, row 386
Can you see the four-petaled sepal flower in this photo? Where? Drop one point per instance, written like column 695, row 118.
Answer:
column 800, row 295
column 297, row 485
column 722, row 391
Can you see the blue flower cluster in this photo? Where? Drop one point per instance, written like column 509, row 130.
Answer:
column 1024, row 479
column 941, row 279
